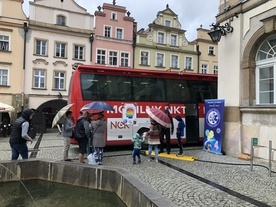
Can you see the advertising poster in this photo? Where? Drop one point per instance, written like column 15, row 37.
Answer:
column 213, row 125
column 129, row 113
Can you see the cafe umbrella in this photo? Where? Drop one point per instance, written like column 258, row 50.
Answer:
column 159, row 116
column 6, row 108
column 60, row 114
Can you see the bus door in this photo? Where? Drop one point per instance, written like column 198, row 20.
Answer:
column 192, row 123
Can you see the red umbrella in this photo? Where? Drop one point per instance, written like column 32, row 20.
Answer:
column 159, row 116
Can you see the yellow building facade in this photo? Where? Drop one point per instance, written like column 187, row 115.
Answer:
column 13, row 26
column 208, row 58
column 163, row 45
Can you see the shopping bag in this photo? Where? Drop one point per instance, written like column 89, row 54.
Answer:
column 91, row 159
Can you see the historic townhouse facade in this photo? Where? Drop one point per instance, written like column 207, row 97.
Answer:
column 58, row 39
column 38, row 54
column 113, row 40
column 163, row 45
column 208, row 58
column 247, row 69
column 12, row 33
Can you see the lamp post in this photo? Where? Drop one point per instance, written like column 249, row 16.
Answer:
column 91, row 39
column 26, row 29
column 218, row 31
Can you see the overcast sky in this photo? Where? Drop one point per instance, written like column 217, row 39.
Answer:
column 191, row 13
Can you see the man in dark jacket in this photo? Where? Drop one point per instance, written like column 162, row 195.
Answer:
column 167, row 133
column 82, row 133
column 19, row 135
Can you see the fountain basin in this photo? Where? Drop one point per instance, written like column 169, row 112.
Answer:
column 127, row 187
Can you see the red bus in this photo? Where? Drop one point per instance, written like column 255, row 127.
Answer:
column 183, row 93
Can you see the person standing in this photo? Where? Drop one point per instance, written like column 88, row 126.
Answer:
column 153, row 139
column 167, row 132
column 19, row 135
column 180, row 133
column 82, row 133
column 99, row 128
column 67, row 132
column 137, row 145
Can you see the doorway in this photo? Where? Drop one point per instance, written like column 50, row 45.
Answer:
column 192, row 123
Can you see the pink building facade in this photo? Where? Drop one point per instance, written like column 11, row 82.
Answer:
column 113, row 38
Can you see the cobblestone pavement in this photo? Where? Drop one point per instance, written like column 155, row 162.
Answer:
column 212, row 180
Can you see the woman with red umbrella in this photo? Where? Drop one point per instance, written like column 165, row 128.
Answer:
column 157, row 118
column 153, row 140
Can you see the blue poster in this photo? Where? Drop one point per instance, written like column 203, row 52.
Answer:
column 213, row 125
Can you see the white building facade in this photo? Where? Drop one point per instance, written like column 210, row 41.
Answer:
column 247, row 77
column 58, row 39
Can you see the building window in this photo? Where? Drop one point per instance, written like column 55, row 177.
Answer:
column 215, row 69
column 266, row 72
column 79, row 52
column 173, row 40
column 60, row 50
column 114, row 16
column 107, row 31
column 4, row 77
column 188, row 63
column 101, row 57
column 41, row 47
column 161, row 38
column 160, row 60
column 167, row 23
column 204, row 68
column 124, row 59
column 113, row 57
column 61, row 20
column 174, row 61
column 144, row 58
column 119, row 33
column 4, row 42
column 211, row 50
column 59, row 80
column 39, row 78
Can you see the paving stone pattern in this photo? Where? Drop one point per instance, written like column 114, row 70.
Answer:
column 212, row 180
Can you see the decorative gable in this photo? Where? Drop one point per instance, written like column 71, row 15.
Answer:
column 167, row 18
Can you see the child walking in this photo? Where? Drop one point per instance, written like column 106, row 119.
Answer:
column 137, row 145
column 180, row 134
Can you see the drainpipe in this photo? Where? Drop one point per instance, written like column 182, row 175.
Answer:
column 134, row 45
column 91, row 39
column 26, row 29
column 198, row 57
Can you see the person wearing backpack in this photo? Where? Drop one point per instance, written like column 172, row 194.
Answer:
column 99, row 128
column 82, row 133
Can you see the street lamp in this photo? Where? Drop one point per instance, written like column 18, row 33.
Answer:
column 218, row 31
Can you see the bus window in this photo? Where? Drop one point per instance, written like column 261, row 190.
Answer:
column 119, row 88
column 89, row 86
column 105, row 87
column 148, row 89
column 178, row 91
column 201, row 91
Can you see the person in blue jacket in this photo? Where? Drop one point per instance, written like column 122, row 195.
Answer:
column 180, row 133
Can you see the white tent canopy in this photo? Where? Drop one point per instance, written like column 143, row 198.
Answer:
column 5, row 107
